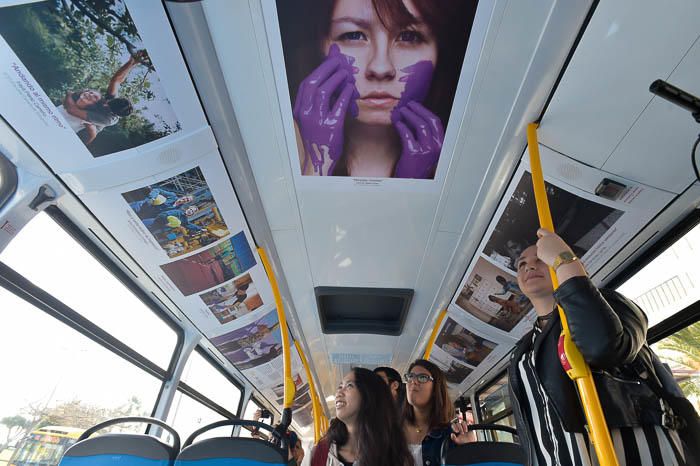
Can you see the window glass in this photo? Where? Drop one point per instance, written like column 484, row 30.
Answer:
column 494, row 400
column 187, row 415
column 669, row 283
column 54, row 376
column 248, row 414
column 46, row 255
column 681, row 351
column 210, row 382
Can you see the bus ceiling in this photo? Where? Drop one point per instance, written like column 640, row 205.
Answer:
column 206, row 129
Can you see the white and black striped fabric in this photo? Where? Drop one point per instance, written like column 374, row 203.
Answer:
column 639, row 446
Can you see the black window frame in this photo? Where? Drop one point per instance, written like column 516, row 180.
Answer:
column 23, row 288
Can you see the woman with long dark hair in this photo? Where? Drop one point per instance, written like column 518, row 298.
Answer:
column 372, row 82
column 365, row 431
column 427, row 415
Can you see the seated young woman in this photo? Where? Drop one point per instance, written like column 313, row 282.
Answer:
column 365, row 430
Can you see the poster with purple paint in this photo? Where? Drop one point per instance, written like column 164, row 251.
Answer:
column 372, row 83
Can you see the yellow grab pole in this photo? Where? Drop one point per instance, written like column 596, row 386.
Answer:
column 314, row 395
column 289, row 387
column 433, row 336
column 578, row 368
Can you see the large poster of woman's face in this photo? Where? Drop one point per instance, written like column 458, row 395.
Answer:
column 372, row 82
column 580, row 222
column 89, row 59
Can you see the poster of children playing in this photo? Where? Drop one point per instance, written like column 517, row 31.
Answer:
column 89, row 59
column 179, row 212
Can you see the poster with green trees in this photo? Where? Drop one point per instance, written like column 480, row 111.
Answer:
column 88, row 58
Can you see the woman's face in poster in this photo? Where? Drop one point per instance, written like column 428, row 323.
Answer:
column 393, row 64
column 88, row 98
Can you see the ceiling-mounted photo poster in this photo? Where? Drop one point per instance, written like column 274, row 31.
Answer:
column 492, row 295
column 489, row 297
column 198, row 249
column 253, row 344
column 579, row 220
column 232, row 300
column 211, row 267
column 80, row 78
column 374, row 87
column 180, row 212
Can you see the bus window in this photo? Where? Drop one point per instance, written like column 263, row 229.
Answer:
column 187, row 415
column 248, row 414
column 670, row 282
column 201, row 375
column 495, row 408
column 47, row 256
column 53, row 375
column 203, row 384
column 681, row 351
column 664, row 287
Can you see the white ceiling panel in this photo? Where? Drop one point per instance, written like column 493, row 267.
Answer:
column 252, row 91
column 626, row 46
column 656, row 151
column 366, row 239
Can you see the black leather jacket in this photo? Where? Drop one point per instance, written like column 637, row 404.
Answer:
column 610, row 332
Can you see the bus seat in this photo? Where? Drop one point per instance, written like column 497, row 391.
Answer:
column 485, row 453
column 231, row 451
column 117, row 449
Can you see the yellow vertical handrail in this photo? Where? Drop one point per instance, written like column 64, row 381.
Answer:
column 314, row 396
column 579, row 370
column 289, row 387
column 433, row 335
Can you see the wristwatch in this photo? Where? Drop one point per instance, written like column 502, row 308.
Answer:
column 565, row 257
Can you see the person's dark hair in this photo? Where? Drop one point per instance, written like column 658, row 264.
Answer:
column 243, row 287
column 393, row 376
column 440, row 404
column 120, row 106
column 305, row 23
column 380, row 436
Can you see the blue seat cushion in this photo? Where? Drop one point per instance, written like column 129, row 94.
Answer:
column 231, row 451
column 118, row 449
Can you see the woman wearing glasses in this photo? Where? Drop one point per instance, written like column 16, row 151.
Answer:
column 428, row 414
column 365, row 430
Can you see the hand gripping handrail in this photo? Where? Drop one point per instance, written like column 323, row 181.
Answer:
column 289, row 387
column 433, row 335
column 315, row 407
column 572, row 358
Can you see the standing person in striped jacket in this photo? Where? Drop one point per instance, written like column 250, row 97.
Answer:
column 635, row 389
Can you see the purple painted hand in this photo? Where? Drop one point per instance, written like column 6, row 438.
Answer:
column 421, row 135
column 323, row 100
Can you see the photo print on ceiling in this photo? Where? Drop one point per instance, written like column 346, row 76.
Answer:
column 580, row 222
column 89, row 59
column 216, row 265
column 179, row 212
column 372, row 82
column 232, row 300
column 491, row 294
column 462, row 344
column 253, row 344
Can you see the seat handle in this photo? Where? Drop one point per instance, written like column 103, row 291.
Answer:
column 227, row 422
column 147, row 420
